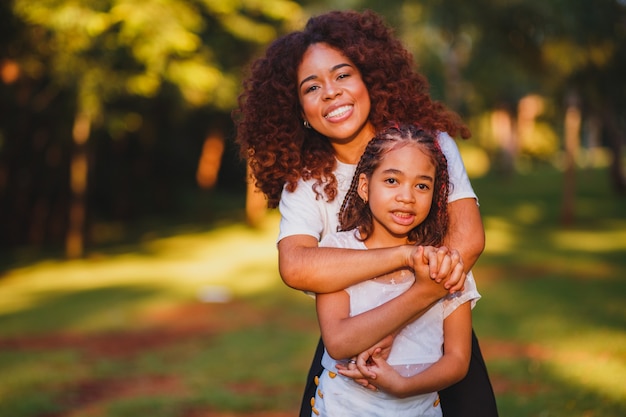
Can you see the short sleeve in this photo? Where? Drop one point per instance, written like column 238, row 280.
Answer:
column 331, row 241
column 470, row 293
column 300, row 215
column 460, row 183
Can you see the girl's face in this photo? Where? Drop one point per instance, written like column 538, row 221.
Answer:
column 335, row 100
column 399, row 193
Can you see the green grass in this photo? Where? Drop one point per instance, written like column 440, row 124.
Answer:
column 124, row 332
column 553, row 313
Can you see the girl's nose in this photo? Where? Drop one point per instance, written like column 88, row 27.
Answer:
column 405, row 195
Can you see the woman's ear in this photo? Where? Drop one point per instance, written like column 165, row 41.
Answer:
column 363, row 187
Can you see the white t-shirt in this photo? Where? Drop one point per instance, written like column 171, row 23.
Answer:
column 303, row 212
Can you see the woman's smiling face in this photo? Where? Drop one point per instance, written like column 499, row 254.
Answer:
column 333, row 96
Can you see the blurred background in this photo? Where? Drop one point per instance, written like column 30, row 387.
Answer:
column 138, row 268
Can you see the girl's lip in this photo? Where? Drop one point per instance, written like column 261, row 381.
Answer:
column 403, row 218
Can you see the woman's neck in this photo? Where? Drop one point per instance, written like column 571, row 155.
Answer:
column 349, row 150
column 349, row 153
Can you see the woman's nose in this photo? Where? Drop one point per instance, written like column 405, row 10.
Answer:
column 331, row 91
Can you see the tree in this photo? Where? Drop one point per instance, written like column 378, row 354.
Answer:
column 493, row 53
column 100, row 51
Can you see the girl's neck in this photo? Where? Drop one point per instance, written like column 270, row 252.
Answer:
column 384, row 240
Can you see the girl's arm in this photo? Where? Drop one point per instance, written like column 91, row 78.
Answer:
column 346, row 336
column 451, row 368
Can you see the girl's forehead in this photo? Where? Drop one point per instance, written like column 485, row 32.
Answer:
column 409, row 154
column 399, row 145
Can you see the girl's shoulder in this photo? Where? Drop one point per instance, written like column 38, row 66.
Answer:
column 346, row 239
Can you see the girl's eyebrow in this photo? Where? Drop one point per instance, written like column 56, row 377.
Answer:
column 392, row 171
column 335, row 68
column 398, row 172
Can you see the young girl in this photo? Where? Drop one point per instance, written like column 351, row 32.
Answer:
column 398, row 196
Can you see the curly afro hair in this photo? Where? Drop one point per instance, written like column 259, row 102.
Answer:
column 270, row 131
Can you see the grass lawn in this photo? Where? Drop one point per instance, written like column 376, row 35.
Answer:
column 198, row 323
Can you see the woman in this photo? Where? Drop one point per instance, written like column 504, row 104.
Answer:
column 309, row 107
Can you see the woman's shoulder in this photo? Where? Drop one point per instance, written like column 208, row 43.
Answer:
column 445, row 139
column 449, row 148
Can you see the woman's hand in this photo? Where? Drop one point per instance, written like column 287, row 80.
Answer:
column 444, row 265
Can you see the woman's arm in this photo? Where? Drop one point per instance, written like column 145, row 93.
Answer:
column 305, row 266
column 451, row 368
column 466, row 233
column 465, row 230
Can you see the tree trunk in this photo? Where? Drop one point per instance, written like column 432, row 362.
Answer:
column 74, row 241
column 256, row 204
column 572, row 143
column 210, row 159
column 503, row 130
column 616, row 142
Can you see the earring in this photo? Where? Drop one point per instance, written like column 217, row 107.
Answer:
column 306, row 124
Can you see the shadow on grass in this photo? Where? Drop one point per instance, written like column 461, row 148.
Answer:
column 55, row 310
column 247, row 355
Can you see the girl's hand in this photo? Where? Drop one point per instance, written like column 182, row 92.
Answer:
column 443, row 265
column 382, row 376
column 352, row 371
column 357, row 366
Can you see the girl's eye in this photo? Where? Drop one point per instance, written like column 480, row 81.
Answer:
column 422, row 186
column 391, row 181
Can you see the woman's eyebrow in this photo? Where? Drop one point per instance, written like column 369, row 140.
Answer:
column 334, row 68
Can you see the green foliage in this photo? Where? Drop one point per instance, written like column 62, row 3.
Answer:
column 154, row 77
column 108, row 49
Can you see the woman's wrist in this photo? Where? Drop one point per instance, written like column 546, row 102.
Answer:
column 407, row 252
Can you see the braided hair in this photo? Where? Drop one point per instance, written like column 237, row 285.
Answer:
column 354, row 211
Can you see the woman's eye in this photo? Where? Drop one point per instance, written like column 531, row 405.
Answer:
column 341, row 76
column 311, row 88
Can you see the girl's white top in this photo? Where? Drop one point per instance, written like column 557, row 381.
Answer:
column 420, row 343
